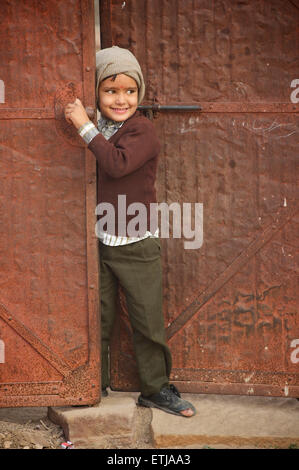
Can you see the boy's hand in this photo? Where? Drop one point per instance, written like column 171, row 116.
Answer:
column 76, row 114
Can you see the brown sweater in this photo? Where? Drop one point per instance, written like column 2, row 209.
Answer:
column 127, row 165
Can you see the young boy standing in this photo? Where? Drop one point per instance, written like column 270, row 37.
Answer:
column 126, row 147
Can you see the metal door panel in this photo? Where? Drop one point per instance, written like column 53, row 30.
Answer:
column 231, row 306
column 49, row 270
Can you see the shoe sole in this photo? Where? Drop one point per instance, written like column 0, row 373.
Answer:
column 150, row 404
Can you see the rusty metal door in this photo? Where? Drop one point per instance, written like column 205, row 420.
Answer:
column 48, row 274
column 231, row 306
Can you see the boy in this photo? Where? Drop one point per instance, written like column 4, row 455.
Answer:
column 126, row 148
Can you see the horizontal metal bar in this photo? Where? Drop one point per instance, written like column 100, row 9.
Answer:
column 26, row 113
column 205, row 107
column 172, row 107
column 194, row 386
column 249, row 107
column 228, row 107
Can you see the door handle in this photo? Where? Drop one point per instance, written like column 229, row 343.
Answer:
column 151, row 110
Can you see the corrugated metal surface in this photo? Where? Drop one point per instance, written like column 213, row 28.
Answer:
column 231, row 307
column 48, row 274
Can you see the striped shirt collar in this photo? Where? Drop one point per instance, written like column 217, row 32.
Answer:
column 107, row 127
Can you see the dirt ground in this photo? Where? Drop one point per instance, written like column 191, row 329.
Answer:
column 30, row 428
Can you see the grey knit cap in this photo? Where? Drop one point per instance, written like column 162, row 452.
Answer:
column 115, row 60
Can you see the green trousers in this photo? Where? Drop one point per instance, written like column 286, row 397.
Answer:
column 137, row 267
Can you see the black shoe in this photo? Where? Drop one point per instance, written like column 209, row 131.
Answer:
column 104, row 392
column 169, row 400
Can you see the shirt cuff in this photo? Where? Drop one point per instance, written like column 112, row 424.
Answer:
column 88, row 131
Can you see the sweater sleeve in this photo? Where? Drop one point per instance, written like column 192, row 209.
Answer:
column 137, row 145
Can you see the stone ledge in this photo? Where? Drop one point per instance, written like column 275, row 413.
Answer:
column 110, row 424
column 222, row 421
column 230, row 421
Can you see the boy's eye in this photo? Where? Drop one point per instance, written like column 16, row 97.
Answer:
column 129, row 92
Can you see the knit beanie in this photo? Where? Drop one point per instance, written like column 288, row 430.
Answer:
column 115, row 60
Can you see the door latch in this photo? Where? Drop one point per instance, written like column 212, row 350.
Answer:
column 151, row 110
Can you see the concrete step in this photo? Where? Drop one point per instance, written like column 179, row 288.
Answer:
column 108, row 425
column 230, row 421
column 222, row 421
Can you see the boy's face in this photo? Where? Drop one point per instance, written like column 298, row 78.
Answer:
column 118, row 99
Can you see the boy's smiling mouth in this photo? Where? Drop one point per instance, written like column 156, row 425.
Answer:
column 120, row 110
